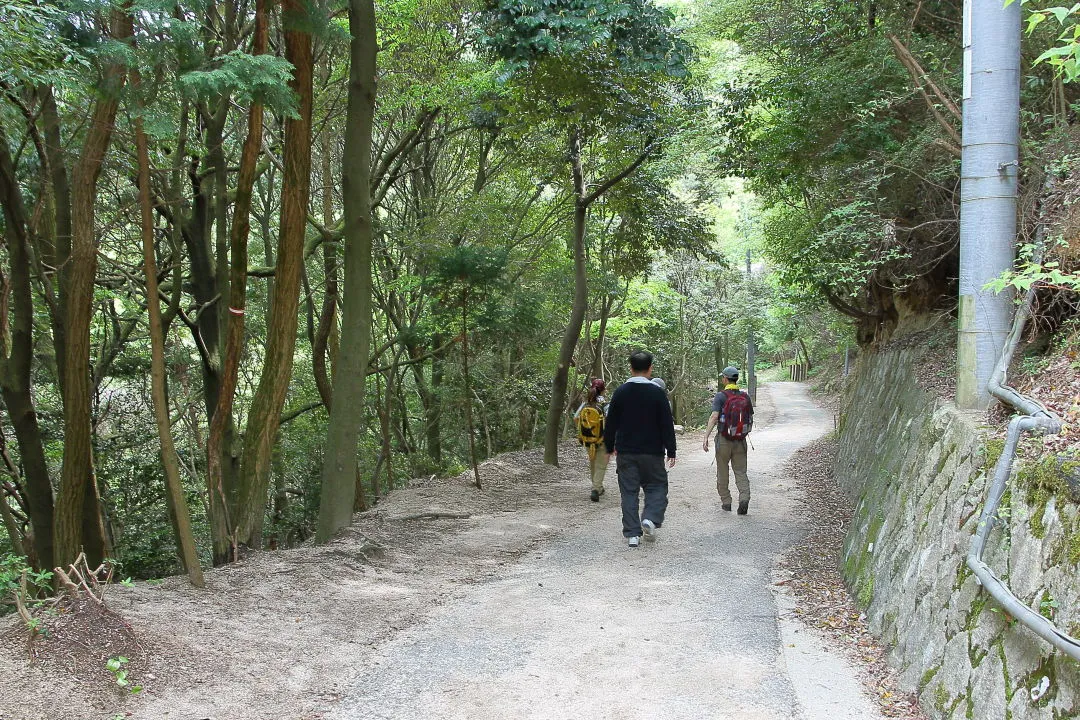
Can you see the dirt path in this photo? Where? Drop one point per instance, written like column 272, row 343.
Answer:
column 687, row 627
column 525, row 603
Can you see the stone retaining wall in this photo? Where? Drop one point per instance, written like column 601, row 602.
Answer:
column 917, row 470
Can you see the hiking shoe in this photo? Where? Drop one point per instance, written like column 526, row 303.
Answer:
column 726, row 506
column 634, row 541
column 594, row 496
column 649, row 529
column 744, row 505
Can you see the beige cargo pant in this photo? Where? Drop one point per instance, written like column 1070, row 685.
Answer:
column 731, row 452
column 598, row 462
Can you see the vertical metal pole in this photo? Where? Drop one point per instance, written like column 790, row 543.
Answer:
column 751, row 351
column 991, row 138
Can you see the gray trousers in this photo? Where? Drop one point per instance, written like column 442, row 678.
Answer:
column 641, row 474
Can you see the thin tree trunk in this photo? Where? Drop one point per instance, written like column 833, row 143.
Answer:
column 327, row 327
column 221, row 420
column 383, row 404
column 433, row 416
column 265, row 412
column 468, row 387
column 582, row 201
column 15, row 535
column 174, row 487
column 77, row 499
column 59, row 250
column 577, row 311
column 346, row 415
column 806, row 354
column 718, row 359
column 597, row 369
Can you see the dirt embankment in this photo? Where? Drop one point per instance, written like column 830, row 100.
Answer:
column 279, row 634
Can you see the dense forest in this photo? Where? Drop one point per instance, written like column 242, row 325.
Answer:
column 262, row 263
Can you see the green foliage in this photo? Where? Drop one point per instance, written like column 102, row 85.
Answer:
column 634, row 33
column 12, row 568
column 850, row 166
column 651, row 218
column 1063, row 57
column 838, row 254
column 34, row 45
column 471, row 266
column 115, row 665
column 1031, row 273
column 597, row 64
column 247, row 78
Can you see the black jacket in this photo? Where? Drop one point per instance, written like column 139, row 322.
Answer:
column 639, row 420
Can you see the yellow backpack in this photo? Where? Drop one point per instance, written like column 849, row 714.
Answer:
column 590, row 425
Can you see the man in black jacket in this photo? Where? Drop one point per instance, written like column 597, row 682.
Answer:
column 638, row 430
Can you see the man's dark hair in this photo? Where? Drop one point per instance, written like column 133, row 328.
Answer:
column 641, row 361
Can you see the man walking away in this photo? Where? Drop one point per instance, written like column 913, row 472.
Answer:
column 733, row 411
column 638, row 431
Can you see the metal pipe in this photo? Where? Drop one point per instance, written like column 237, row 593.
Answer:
column 1034, row 417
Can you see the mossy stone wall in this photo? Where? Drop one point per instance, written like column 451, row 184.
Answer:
column 917, row 470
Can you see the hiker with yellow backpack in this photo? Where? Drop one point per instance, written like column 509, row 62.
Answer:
column 589, row 419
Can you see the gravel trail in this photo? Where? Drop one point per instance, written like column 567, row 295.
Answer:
column 585, row 627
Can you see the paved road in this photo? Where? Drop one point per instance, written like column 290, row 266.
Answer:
column 585, row 627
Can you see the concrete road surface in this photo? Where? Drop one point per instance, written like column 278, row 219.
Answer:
column 687, row 627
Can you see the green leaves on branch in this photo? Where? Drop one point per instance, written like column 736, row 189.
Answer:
column 34, row 46
column 633, row 32
column 472, row 266
column 247, row 78
column 1032, row 272
column 1065, row 56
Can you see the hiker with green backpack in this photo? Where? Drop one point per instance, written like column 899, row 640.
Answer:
column 589, row 419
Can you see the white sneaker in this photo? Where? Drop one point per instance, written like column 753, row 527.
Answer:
column 649, row 529
column 634, row 541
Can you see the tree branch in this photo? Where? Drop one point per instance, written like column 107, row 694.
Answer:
column 626, row 172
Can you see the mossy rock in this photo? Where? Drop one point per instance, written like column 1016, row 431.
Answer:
column 1069, row 468
column 1051, row 477
column 991, row 451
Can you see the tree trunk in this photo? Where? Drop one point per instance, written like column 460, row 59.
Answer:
column 718, row 358
column 58, row 251
column 582, row 201
column 577, row 311
column 328, row 314
column 347, row 413
column 206, row 289
column 597, row 369
column 433, row 415
column 265, row 413
column 174, row 487
column 427, row 401
column 218, row 490
column 806, row 354
column 77, row 522
column 382, row 402
column 16, row 365
column 468, row 388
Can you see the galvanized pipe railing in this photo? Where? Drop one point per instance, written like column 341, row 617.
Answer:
column 1034, row 416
